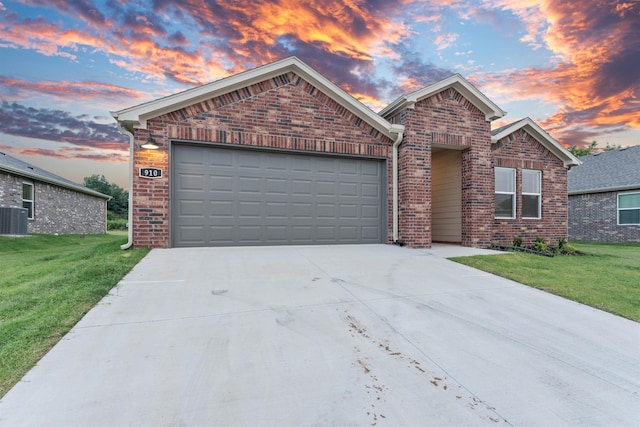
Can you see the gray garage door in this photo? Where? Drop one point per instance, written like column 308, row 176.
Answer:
column 229, row 197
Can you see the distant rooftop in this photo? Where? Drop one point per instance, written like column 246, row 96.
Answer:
column 607, row 171
column 18, row 167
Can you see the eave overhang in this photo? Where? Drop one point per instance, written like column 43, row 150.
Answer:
column 542, row 137
column 137, row 117
column 457, row 82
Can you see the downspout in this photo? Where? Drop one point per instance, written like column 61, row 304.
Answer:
column 396, row 144
column 125, row 131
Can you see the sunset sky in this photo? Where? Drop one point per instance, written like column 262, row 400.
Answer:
column 572, row 66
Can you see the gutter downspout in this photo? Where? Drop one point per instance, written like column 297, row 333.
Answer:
column 396, row 144
column 124, row 131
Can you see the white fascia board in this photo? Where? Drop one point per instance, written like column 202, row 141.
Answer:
column 137, row 116
column 542, row 137
column 459, row 83
column 36, row 177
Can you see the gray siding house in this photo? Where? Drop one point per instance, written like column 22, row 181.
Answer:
column 604, row 197
column 53, row 204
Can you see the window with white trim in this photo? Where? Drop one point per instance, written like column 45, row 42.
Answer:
column 27, row 197
column 505, row 192
column 629, row 208
column 531, row 193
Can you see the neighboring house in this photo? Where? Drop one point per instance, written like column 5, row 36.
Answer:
column 54, row 204
column 281, row 155
column 604, row 197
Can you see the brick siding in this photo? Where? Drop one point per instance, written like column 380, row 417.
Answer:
column 445, row 119
column 594, row 217
column 521, row 151
column 56, row 209
column 285, row 112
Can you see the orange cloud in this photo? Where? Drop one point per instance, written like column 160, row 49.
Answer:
column 21, row 89
column 595, row 85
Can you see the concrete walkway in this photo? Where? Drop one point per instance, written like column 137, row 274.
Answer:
column 369, row 335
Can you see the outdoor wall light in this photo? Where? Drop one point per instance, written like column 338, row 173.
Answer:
column 150, row 144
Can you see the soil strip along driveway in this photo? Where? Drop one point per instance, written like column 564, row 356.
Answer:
column 365, row 335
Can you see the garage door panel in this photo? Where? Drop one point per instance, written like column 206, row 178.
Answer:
column 325, row 166
column 247, row 160
column 192, row 234
column 302, row 234
column 247, row 197
column 301, row 211
column 277, row 210
column 222, row 234
column 276, row 162
column 222, row 183
column 221, row 160
column 275, row 186
column 326, row 233
column 248, row 210
column 348, row 211
column 249, row 185
column 325, row 188
column 370, row 190
column 303, row 164
column 301, row 187
column 371, row 233
column 326, row 210
column 370, row 212
column 192, row 208
column 370, row 169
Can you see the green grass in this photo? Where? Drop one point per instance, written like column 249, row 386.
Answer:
column 608, row 277
column 47, row 283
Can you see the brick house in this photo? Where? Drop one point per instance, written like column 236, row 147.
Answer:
column 281, row 155
column 604, row 197
column 51, row 203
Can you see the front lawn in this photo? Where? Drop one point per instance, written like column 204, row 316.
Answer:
column 607, row 277
column 47, row 283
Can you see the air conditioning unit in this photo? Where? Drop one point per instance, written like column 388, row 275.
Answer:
column 13, row 221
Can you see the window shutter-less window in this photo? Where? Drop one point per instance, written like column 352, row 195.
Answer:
column 531, row 193
column 505, row 192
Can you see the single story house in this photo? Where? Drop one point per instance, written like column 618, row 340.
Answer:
column 604, row 197
column 281, row 155
column 51, row 204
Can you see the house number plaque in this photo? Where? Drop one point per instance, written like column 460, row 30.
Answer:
column 150, row 173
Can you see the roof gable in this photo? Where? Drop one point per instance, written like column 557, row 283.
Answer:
column 607, row 171
column 15, row 166
column 457, row 82
column 540, row 135
column 137, row 116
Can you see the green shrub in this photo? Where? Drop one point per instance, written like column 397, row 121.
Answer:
column 116, row 224
column 517, row 241
column 540, row 245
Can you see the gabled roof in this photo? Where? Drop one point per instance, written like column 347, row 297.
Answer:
column 18, row 167
column 137, row 116
column 613, row 170
column 540, row 135
column 456, row 81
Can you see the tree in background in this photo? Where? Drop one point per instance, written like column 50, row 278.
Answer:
column 119, row 203
column 590, row 149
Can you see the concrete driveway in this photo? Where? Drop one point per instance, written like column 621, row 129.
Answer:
column 368, row 335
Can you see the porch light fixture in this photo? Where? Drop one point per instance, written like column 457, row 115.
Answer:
column 150, row 144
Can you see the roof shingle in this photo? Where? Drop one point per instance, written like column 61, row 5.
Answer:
column 16, row 166
column 606, row 171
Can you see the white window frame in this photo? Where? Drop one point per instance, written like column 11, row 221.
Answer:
column 539, row 194
column 31, row 200
column 511, row 193
column 624, row 209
